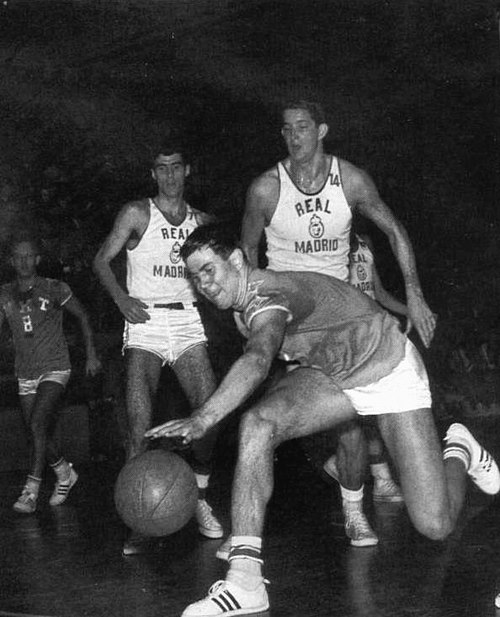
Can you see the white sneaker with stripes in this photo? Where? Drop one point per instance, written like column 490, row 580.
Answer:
column 226, row 598
column 26, row 502
column 482, row 469
column 63, row 487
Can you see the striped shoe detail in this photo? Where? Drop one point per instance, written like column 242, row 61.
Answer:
column 485, row 463
column 226, row 598
column 223, row 597
column 62, row 488
column 481, row 466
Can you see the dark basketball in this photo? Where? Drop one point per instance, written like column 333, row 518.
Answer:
column 156, row 493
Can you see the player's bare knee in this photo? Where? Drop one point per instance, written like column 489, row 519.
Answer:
column 256, row 429
column 436, row 528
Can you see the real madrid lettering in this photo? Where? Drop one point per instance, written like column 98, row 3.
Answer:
column 302, row 236
column 155, row 270
column 361, row 268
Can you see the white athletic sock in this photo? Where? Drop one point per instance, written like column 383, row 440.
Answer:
column 457, row 451
column 62, row 469
column 245, row 562
column 352, row 500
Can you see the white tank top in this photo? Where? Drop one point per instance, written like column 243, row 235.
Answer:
column 310, row 232
column 155, row 270
column 361, row 268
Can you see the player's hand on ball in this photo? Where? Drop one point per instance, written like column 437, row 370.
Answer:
column 187, row 429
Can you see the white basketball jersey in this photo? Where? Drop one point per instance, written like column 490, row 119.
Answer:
column 361, row 268
column 155, row 270
column 310, row 232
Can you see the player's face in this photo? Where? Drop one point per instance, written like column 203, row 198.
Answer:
column 170, row 173
column 214, row 277
column 24, row 260
column 301, row 134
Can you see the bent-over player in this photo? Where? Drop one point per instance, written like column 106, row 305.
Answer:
column 353, row 359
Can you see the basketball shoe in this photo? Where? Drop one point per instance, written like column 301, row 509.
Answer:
column 385, row 489
column 208, row 525
column 26, row 504
column 226, row 598
column 481, row 466
column 358, row 529
column 63, row 487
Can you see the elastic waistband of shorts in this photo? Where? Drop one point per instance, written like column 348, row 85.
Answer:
column 176, row 306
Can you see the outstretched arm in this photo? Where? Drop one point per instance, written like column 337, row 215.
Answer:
column 126, row 223
column 362, row 194
column 93, row 364
column 246, row 374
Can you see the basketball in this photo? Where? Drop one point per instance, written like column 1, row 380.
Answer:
column 156, row 493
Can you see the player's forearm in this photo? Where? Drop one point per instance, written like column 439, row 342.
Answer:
column 108, row 280
column 389, row 302
column 88, row 336
column 243, row 378
column 405, row 256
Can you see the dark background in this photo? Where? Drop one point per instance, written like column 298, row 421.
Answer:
column 410, row 88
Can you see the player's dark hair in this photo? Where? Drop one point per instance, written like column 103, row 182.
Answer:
column 222, row 239
column 172, row 145
column 315, row 110
column 23, row 235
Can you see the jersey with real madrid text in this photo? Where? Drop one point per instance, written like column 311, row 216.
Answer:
column 35, row 318
column 310, row 232
column 155, row 270
column 361, row 268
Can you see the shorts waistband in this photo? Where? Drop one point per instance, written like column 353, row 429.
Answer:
column 176, row 306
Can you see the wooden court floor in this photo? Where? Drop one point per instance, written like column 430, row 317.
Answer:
column 67, row 562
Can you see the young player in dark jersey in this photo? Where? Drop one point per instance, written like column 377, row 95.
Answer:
column 33, row 307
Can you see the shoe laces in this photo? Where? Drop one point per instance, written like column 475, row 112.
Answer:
column 357, row 519
column 388, row 485
column 484, row 464
column 205, row 512
column 216, row 588
column 221, row 586
column 27, row 495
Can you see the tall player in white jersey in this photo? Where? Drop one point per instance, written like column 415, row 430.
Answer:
column 162, row 322
column 304, row 205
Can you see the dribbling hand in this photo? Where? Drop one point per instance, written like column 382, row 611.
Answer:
column 187, row 429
